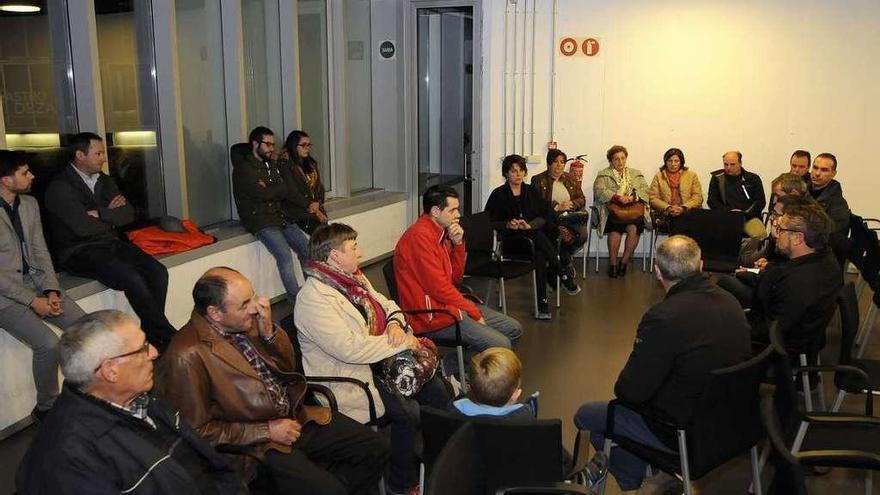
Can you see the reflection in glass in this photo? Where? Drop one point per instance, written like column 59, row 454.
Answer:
column 203, row 110
column 125, row 53
column 358, row 96
column 262, row 69
column 36, row 88
column 313, row 81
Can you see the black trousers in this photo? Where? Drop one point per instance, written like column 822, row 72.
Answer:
column 547, row 264
column 342, row 457
column 123, row 266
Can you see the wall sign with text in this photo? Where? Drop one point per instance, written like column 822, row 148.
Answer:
column 580, row 46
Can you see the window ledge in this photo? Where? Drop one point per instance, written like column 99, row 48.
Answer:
column 231, row 234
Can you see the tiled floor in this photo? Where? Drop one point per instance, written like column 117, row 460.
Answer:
column 573, row 358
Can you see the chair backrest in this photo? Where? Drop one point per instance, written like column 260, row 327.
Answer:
column 287, row 324
column 726, row 419
column 848, row 303
column 718, row 233
column 789, row 476
column 458, row 466
column 477, row 232
column 515, row 451
column 390, row 278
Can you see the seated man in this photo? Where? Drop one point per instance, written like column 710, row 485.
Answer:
column 264, row 206
column 800, row 294
column 756, row 251
column 697, row 328
column 232, row 373
column 800, row 165
column 428, row 262
column 85, row 212
column 734, row 189
column 29, row 291
column 107, row 434
column 828, row 193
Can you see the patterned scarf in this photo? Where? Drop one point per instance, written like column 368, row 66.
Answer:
column 354, row 288
column 674, row 180
column 622, row 180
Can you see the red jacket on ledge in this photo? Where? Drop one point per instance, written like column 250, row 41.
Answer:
column 427, row 266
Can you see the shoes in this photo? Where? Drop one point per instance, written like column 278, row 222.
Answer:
column 612, row 270
column 661, row 484
column 39, row 414
column 596, row 470
column 621, row 268
column 570, row 270
column 571, row 287
column 543, row 310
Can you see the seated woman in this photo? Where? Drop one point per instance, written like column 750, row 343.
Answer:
column 517, row 210
column 567, row 199
column 348, row 329
column 674, row 190
column 306, row 198
column 619, row 193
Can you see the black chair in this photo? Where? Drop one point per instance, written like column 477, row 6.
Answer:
column 726, row 423
column 789, row 474
column 594, row 226
column 864, row 254
column 823, row 439
column 496, row 256
column 717, row 232
column 502, row 454
column 456, row 343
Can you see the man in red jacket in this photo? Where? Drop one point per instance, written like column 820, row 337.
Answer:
column 428, row 262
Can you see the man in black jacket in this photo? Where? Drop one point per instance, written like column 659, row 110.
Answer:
column 86, row 212
column 107, row 434
column 798, row 295
column 262, row 197
column 828, row 193
column 697, row 328
column 735, row 189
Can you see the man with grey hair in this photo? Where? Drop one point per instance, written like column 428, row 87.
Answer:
column 695, row 329
column 107, row 434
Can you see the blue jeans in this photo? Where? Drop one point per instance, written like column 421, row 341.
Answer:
column 279, row 242
column 628, row 470
column 500, row 330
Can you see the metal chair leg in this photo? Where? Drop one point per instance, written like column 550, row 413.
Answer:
column 503, row 296
column 558, row 295
column 462, row 375
column 606, row 449
column 821, row 386
column 762, row 460
column 865, row 331
column 644, row 254
column 685, row 467
column 756, row 472
column 838, row 401
column 805, row 380
column 535, row 291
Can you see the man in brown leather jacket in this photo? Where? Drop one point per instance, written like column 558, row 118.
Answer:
column 232, row 374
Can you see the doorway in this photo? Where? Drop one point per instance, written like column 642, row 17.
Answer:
column 446, row 80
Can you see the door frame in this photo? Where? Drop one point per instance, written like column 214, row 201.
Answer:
column 411, row 130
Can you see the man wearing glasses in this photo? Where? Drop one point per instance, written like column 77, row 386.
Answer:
column 799, row 295
column 262, row 198
column 107, row 433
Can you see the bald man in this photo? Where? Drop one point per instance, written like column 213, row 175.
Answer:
column 732, row 188
column 232, row 373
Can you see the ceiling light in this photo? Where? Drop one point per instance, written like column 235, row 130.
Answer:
column 20, row 7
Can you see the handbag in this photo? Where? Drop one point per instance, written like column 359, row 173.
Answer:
column 626, row 214
column 408, row 371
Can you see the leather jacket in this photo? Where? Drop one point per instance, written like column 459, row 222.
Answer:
column 223, row 397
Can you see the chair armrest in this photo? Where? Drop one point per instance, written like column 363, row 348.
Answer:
column 841, row 458
column 319, row 389
column 371, row 402
column 820, row 418
column 833, row 368
column 437, row 312
column 558, row 487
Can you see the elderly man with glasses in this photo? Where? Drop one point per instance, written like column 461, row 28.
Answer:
column 107, row 433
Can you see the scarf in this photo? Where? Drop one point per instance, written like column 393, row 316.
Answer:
column 674, row 180
column 622, row 179
column 355, row 288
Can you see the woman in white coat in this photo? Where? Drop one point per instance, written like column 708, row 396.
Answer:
column 345, row 326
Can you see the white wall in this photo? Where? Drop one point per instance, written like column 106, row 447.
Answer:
column 762, row 77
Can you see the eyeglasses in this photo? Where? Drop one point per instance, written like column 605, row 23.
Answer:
column 778, row 229
column 142, row 349
column 305, row 145
column 269, row 144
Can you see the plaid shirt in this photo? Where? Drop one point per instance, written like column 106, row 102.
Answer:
column 277, row 390
column 137, row 408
